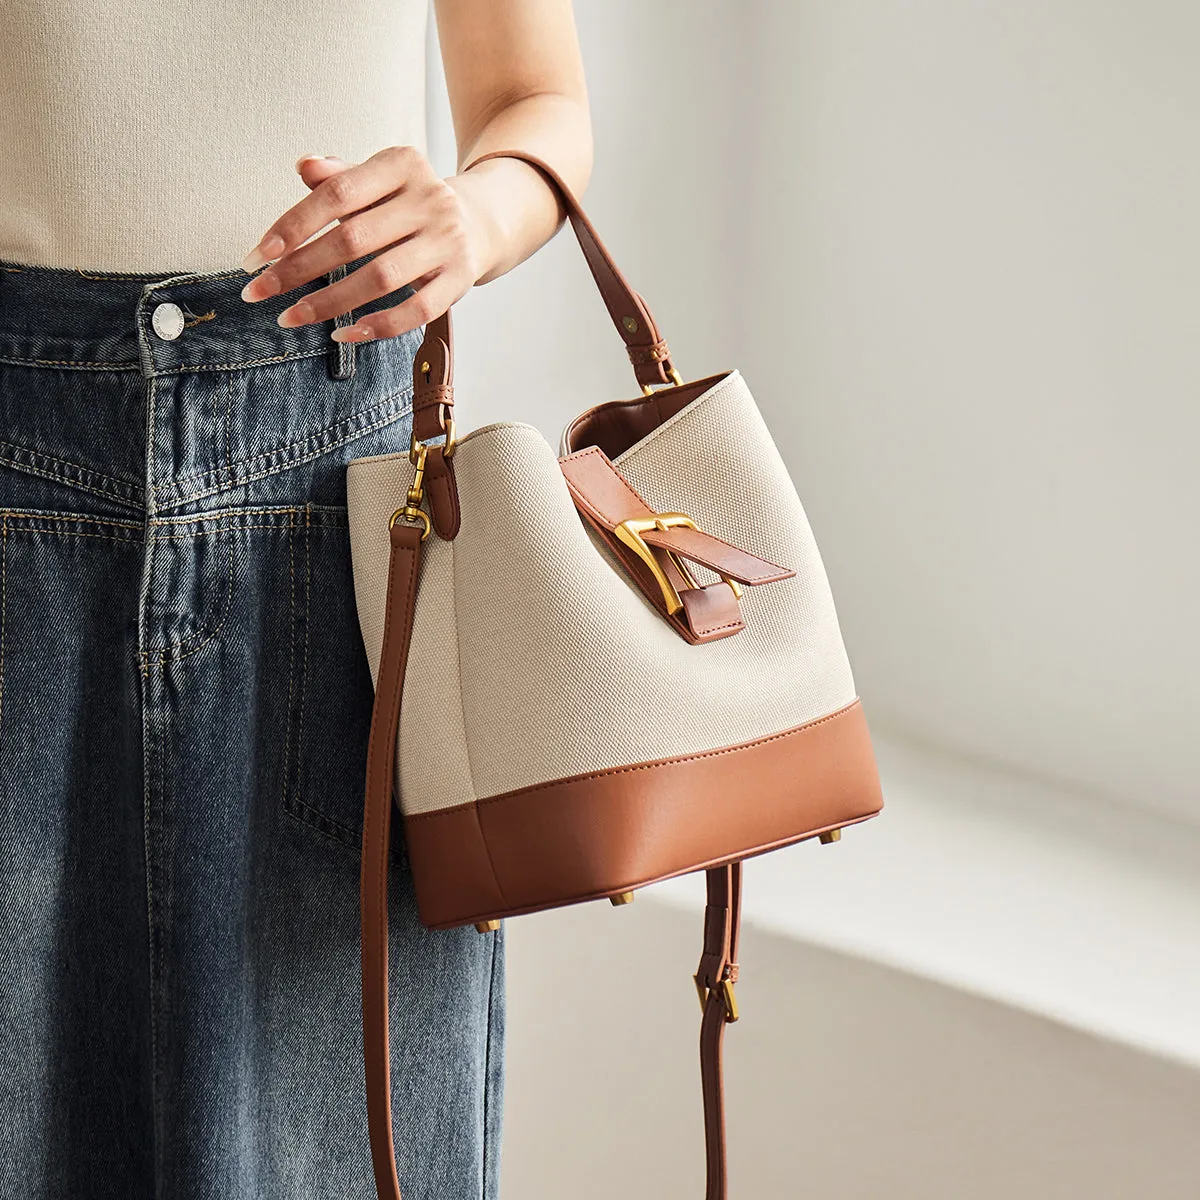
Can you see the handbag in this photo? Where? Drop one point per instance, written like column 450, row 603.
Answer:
column 595, row 668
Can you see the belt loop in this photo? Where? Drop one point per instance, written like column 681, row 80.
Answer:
column 341, row 354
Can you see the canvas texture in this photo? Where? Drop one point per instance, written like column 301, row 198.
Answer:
column 534, row 656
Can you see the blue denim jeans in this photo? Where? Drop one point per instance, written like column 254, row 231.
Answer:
column 184, row 708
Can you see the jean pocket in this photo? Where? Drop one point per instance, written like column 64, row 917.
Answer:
column 329, row 687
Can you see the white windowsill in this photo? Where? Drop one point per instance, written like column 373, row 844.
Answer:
column 1063, row 904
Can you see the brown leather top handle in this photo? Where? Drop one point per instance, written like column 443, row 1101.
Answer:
column 433, row 367
column 646, row 349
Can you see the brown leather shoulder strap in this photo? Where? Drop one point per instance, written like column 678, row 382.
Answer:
column 718, row 964
column 715, row 978
column 403, row 571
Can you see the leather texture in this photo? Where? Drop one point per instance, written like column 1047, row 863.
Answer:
column 377, row 817
column 553, row 723
column 718, row 966
column 610, row 832
column 606, row 499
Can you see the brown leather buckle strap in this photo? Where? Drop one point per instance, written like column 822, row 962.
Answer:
column 650, row 545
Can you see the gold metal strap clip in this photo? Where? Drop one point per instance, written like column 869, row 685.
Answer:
column 412, row 510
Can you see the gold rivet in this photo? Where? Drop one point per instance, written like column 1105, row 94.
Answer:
column 487, row 926
column 425, row 368
column 621, row 898
column 630, row 323
column 834, row 835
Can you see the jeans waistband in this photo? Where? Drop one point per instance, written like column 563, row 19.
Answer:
column 70, row 318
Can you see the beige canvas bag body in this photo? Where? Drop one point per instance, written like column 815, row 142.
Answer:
column 596, row 666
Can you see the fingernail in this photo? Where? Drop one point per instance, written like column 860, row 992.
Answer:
column 353, row 333
column 317, row 157
column 299, row 314
column 262, row 286
column 269, row 248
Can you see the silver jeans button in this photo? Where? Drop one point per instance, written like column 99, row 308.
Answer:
column 167, row 320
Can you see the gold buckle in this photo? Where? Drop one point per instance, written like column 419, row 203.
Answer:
column 649, row 390
column 630, row 534
column 726, row 988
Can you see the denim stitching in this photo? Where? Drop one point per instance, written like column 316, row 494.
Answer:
column 104, row 537
column 173, row 651
column 183, row 369
column 229, row 428
column 85, row 364
column 27, row 516
column 317, row 435
column 82, row 364
column 168, row 892
column 151, row 913
column 336, row 514
column 23, row 521
column 127, row 489
column 304, row 677
column 187, row 537
column 297, row 462
column 324, row 824
column 287, row 738
column 66, row 482
column 487, row 1075
column 294, row 804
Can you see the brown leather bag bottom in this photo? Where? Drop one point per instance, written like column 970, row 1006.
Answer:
column 609, row 832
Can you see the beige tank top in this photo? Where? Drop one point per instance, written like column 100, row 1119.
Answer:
column 161, row 135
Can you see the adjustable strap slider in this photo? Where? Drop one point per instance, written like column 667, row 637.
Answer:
column 725, row 988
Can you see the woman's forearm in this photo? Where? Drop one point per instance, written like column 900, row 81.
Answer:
column 516, row 207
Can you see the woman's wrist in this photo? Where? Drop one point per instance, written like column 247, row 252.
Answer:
column 484, row 193
column 516, row 206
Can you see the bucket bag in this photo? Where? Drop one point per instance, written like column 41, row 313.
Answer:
column 596, row 666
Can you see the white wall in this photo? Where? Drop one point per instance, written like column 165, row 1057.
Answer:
column 953, row 247
column 975, row 323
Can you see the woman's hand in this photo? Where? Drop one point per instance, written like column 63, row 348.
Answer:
column 422, row 229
